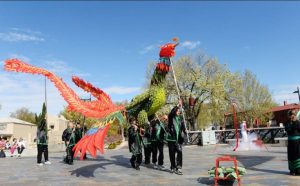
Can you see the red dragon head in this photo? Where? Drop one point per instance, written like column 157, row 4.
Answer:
column 13, row 64
column 168, row 50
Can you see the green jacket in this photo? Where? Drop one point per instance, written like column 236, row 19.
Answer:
column 158, row 131
column 41, row 137
column 69, row 136
column 176, row 128
column 134, row 141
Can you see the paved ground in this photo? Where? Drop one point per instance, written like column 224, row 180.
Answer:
column 113, row 168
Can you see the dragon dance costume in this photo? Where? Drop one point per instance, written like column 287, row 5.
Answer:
column 143, row 107
column 177, row 130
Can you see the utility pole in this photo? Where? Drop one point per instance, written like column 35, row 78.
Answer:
column 46, row 102
column 297, row 91
column 87, row 99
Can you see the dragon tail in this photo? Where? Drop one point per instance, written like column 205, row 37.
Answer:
column 91, row 142
column 94, row 138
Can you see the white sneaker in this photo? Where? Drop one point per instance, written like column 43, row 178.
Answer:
column 155, row 166
column 161, row 167
column 40, row 164
column 178, row 171
column 47, row 162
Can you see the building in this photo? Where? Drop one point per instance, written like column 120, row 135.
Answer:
column 280, row 113
column 15, row 128
column 56, row 126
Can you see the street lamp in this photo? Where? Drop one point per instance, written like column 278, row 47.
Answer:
column 297, row 91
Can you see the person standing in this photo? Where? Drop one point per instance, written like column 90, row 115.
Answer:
column 177, row 131
column 21, row 146
column 79, row 134
column 135, row 145
column 42, row 143
column 13, row 147
column 146, row 140
column 68, row 137
column 244, row 130
column 157, row 141
column 293, row 149
column 2, row 147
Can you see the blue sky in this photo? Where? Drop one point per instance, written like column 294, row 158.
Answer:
column 110, row 44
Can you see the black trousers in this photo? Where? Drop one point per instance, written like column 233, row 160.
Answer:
column 136, row 160
column 42, row 149
column 20, row 150
column 69, row 156
column 158, row 146
column 147, row 152
column 2, row 154
column 176, row 161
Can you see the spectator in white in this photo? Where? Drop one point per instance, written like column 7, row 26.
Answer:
column 20, row 146
column 244, row 130
column 7, row 146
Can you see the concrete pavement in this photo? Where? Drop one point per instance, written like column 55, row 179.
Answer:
column 113, row 168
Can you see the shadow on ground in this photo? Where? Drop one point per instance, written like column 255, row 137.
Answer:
column 208, row 181
column 251, row 161
column 271, row 171
column 205, row 181
column 89, row 170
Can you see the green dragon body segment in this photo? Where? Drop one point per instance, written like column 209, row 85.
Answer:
column 144, row 106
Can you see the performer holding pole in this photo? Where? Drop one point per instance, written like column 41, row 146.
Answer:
column 179, row 97
column 176, row 129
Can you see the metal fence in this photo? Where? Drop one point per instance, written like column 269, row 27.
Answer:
column 267, row 134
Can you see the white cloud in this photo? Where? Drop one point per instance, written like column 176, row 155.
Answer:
column 23, row 90
column 285, row 93
column 29, row 31
column 58, row 66
column 21, row 57
column 189, row 44
column 13, row 37
column 149, row 48
column 16, row 35
column 62, row 68
column 121, row 90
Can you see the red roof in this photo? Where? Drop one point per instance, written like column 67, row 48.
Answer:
column 285, row 107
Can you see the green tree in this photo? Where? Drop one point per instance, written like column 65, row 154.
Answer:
column 255, row 99
column 213, row 87
column 77, row 117
column 24, row 114
column 41, row 116
column 207, row 82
